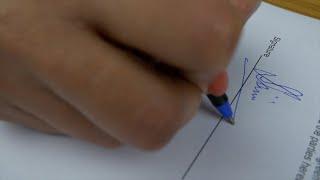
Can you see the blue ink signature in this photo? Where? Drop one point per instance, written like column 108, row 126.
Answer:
column 246, row 60
column 264, row 81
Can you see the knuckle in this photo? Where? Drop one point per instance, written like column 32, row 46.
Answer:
column 245, row 7
column 215, row 39
column 157, row 137
column 227, row 29
column 230, row 34
column 158, row 127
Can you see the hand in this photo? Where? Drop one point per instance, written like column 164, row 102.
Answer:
column 113, row 72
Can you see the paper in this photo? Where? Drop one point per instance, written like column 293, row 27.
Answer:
column 276, row 136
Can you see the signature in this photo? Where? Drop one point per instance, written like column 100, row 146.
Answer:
column 265, row 81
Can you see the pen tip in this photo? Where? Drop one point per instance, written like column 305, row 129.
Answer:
column 230, row 121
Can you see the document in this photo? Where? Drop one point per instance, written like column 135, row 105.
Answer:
column 275, row 94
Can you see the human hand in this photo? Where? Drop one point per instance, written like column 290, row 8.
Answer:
column 114, row 72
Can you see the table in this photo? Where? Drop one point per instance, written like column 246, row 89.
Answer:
column 306, row 7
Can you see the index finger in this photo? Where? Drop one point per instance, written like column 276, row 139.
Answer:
column 198, row 37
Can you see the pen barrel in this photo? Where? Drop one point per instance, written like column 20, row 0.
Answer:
column 218, row 100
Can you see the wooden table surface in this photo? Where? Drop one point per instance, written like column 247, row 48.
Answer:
column 306, row 7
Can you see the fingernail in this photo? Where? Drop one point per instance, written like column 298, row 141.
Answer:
column 219, row 84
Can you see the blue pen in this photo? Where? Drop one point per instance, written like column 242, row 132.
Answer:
column 223, row 106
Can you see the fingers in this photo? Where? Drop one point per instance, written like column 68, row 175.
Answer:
column 198, row 37
column 11, row 113
column 29, row 96
column 134, row 103
column 245, row 7
column 65, row 75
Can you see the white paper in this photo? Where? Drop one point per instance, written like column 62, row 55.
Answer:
column 275, row 136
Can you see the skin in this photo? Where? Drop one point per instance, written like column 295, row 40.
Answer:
column 114, row 72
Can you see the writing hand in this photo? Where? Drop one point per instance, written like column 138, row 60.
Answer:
column 76, row 67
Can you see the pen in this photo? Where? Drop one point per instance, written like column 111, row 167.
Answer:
column 223, row 106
